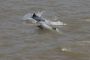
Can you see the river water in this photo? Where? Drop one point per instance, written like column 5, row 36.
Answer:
column 20, row 41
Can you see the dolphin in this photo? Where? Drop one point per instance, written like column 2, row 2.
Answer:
column 41, row 22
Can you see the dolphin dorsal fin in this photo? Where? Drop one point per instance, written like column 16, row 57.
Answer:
column 34, row 15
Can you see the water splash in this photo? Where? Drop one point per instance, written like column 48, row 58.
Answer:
column 65, row 49
column 27, row 16
column 40, row 13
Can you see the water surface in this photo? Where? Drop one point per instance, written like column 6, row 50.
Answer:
column 26, row 42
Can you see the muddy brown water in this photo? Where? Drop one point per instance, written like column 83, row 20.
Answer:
column 20, row 41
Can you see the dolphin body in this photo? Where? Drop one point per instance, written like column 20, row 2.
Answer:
column 41, row 22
